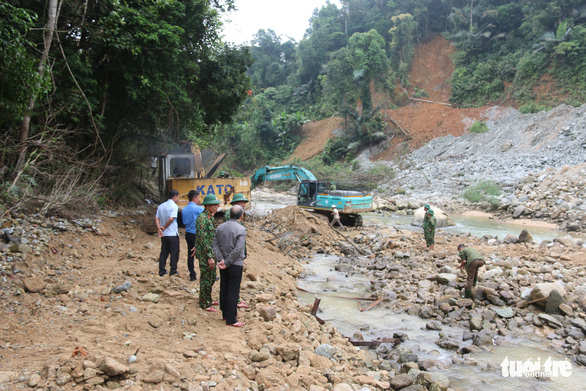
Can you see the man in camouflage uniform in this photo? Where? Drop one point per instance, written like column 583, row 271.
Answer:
column 429, row 223
column 238, row 199
column 204, row 237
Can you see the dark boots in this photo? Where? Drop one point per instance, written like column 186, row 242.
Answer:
column 467, row 293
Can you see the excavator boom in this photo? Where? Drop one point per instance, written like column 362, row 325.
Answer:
column 282, row 173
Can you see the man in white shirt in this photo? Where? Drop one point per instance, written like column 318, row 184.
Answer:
column 167, row 229
column 336, row 218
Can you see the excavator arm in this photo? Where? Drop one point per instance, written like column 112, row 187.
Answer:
column 282, row 173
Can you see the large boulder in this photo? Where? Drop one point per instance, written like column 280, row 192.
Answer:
column 540, row 292
column 442, row 218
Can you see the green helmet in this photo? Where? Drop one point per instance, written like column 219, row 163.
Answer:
column 237, row 198
column 431, row 212
column 426, row 206
column 211, row 199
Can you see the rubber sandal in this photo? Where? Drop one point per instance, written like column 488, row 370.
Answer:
column 242, row 305
column 237, row 324
column 210, row 309
column 215, row 303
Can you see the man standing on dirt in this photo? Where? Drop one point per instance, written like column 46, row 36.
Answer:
column 472, row 259
column 336, row 218
column 229, row 247
column 189, row 215
column 203, row 251
column 166, row 220
column 429, row 223
column 240, row 200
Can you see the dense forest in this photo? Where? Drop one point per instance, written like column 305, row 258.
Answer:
column 89, row 90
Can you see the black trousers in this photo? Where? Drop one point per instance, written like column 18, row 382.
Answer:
column 190, row 239
column 230, row 279
column 169, row 246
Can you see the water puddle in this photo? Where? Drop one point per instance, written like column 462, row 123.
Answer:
column 334, row 288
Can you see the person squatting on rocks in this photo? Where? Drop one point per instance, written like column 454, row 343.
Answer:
column 166, row 220
column 189, row 215
column 472, row 259
column 203, row 251
column 336, row 219
column 241, row 200
column 230, row 248
column 429, row 223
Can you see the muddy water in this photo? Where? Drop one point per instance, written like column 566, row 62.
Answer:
column 263, row 202
column 475, row 225
column 483, row 371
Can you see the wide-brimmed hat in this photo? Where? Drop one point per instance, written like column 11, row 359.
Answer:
column 430, row 211
column 426, row 206
column 333, row 206
column 239, row 197
column 211, row 199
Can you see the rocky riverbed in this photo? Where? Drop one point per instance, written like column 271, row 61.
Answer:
column 537, row 160
column 85, row 296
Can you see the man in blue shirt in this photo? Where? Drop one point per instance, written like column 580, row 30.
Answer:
column 166, row 220
column 189, row 215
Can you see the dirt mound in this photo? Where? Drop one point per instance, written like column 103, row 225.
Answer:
column 426, row 121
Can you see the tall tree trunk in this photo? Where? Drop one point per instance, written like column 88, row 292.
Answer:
column 25, row 124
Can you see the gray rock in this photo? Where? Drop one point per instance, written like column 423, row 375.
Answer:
column 552, row 305
column 446, row 278
column 505, row 312
column 540, row 292
column 550, row 321
column 484, row 338
column 401, row 381
column 325, row 350
column 123, row 288
column 581, row 359
column 447, row 343
column 475, row 323
column 433, row 325
column 519, row 210
column 407, row 357
column 566, row 309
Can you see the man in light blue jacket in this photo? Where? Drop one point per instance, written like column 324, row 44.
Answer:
column 189, row 216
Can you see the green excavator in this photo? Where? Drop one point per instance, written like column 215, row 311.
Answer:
column 320, row 196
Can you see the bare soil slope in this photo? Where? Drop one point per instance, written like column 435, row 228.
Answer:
column 432, row 70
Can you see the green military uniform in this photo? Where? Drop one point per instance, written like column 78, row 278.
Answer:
column 429, row 223
column 470, row 255
column 204, row 236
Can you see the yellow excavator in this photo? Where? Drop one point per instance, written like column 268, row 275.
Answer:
column 183, row 171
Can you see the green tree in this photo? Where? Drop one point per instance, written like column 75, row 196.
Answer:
column 370, row 63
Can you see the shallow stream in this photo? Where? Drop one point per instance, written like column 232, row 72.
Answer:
column 333, row 287
column 324, row 282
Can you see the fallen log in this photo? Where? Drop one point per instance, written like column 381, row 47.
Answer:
column 376, row 342
column 370, row 306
